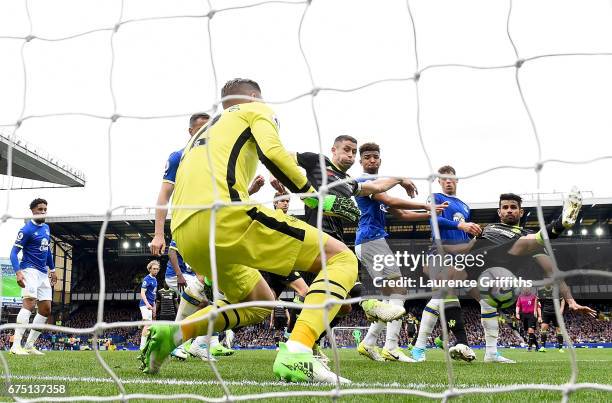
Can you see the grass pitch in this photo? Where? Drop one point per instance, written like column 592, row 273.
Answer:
column 250, row 371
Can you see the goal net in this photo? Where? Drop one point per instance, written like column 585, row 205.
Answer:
column 348, row 337
column 478, row 84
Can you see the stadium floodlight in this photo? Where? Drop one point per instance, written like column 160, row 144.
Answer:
column 137, row 244
column 125, row 244
column 570, row 232
column 599, row 231
column 584, row 231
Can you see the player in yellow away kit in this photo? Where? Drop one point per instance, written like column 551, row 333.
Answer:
column 218, row 164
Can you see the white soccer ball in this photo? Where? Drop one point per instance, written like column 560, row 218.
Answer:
column 498, row 288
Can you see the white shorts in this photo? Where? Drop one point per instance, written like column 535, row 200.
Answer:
column 37, row 285
column 372, row 256
column 172, row 282
column 147, row 314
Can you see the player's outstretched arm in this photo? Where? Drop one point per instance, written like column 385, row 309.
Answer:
column 545, row 262
column 407, row 215
column 379, row 185
column 273, row 154
column 398, row 203
column 158, row 244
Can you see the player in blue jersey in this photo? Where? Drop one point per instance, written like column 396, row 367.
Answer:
column 455, row 228
column 371, row 248
column 148, row 291
column 158, row 244
column 35, row 274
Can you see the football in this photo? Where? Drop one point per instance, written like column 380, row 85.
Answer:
column 498, row 287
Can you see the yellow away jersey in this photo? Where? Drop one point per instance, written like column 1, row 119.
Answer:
column 228, row 150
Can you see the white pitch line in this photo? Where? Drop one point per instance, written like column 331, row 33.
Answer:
column 189, row 382
column 245, row 382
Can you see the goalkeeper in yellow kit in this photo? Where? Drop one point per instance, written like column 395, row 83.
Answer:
column 218, row 164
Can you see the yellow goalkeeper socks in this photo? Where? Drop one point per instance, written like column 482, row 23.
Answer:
column 342, row 274
column 225, row 320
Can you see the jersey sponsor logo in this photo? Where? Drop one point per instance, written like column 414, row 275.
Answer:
column 44, row 245
column 458, row 217
column 234, row 108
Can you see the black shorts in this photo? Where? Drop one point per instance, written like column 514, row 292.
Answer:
column 280, row 323
column 550, row 318
column 277, row 283
column 528, row 320
column 411, row 330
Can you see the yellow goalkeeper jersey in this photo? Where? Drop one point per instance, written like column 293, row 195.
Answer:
column 220, row 161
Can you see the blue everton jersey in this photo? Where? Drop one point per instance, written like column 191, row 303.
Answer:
column 149, row 283
column 33, row 240
column 456, row 212
column 372, row 220
column 170, row 271
column 172, row 166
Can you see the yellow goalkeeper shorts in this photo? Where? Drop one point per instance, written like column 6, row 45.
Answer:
column 247, row 238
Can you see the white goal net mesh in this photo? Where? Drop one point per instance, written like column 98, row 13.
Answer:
column 38, row 109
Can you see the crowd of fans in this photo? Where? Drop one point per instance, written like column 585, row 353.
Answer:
column 581, row 329
column 124, row 280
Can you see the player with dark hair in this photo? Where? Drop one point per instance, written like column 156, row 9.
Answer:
column 217, row 165
column 455, row 228
column 508, row 245
column 370, row 243
column 35, row 274
column 344, row 151
column 547, row 316
column 527, row 313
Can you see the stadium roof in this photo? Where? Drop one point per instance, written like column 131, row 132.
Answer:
column 28, row 162
column 84, row 230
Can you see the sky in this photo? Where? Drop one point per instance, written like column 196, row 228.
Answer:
column 472, row 119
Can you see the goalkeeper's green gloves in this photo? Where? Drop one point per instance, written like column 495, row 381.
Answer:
column 336, row 206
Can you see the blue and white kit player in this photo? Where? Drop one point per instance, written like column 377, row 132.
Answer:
column 371, row 244
column 455, row 228
column 148, row 291
column 35, row 274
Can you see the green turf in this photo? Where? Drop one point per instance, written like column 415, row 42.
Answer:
column 10, row 288
column 251, row 372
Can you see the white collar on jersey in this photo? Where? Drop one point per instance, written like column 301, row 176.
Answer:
column 35, row 223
